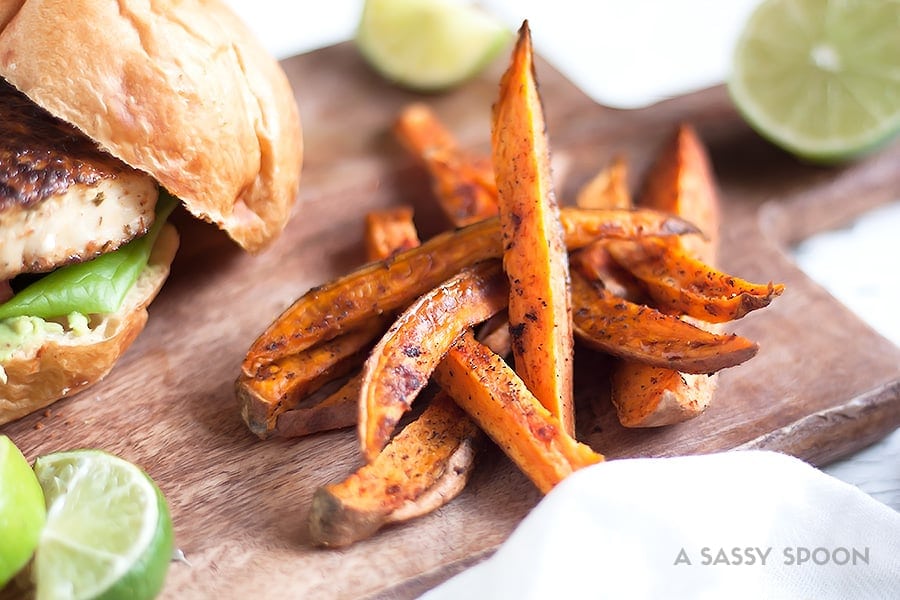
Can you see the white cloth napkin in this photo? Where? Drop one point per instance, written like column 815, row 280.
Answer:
column 731, row 525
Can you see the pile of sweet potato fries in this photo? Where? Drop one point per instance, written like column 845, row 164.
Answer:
column 519, row 276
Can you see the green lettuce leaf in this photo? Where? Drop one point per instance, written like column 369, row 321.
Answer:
column 94, row 287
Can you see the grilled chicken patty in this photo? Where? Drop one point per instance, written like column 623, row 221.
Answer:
column 62, row 199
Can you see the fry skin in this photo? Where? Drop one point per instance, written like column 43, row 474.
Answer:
column 282, row 384
column 421, row 468
column 534, row 249
column 608, row 188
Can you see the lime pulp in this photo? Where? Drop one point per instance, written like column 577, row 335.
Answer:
column 108, row 532
column 820, row 78
column 428, row 45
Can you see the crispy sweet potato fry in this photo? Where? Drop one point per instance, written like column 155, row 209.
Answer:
column 400, row 365
column 336, row 410
column 390, row 231
column 376, row 288
column 462, row 187
column 422, row 467
column 679, row 182
column 421, row 132
column 463, row 183
column 658, row 396
column 534, row 250
column 496, row 398
column 608, row 188
column 643, row 334
column 681, row 284
column 280, row 385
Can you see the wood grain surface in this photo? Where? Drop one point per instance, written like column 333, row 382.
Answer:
column 823, row 384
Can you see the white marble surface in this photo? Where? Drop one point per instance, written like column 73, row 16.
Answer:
column 670, row 51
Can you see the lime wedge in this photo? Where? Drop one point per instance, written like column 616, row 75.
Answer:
column 108, row 532
column 21, row 510
column 428, row 45
column 820, row 78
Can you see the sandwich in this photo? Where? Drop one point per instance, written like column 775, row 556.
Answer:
column 111, row 115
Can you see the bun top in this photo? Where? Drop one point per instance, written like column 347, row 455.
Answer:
column 178, row 89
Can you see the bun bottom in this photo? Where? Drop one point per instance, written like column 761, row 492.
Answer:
column 66, row 364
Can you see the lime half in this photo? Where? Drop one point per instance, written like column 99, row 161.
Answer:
column 820, row 78
column 21, row 510
column 428, row 45
column 108, row 532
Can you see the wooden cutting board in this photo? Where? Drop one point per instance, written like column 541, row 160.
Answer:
column 823, row 384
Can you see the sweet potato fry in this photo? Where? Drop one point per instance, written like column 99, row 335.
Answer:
column 534, row 250
column 595, row 263
column 681, row 284
column 390, row 231
column 640, row 333
column 680, row 182
column 462, row 187
column 463, row 183
column 280, row 385
column 658, row 396
column 496, row 398
column 400, row 365
column 421, row 132
column 423, row 466
column 375, row 288
column 608, row 188
column 336, row 410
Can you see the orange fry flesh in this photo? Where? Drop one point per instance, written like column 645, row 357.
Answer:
column 496, row 398
column 390, row 231
column 399, row 366
column 421, row 132
column 681, row 183
column 463, row 183
column 607, row 189
column 534, row 255
column 658, row 396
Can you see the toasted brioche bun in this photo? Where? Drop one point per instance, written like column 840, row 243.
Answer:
column 65, row 363
column 178, row 89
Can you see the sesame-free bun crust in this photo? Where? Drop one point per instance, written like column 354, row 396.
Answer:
column 180, row 90
column 66, row 363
